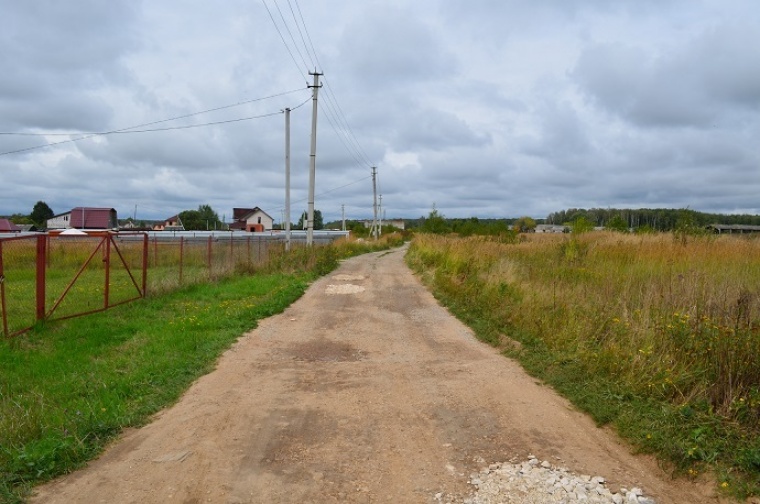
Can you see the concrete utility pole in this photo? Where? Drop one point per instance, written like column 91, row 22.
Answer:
column 343, row 217
column 312, row 159
column 380, row 211
column 373, row 229
column 287, row 179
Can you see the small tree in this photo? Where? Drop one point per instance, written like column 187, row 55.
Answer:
column 617, row 223
column 581, row 225
column 435, row 223
column 524, row 225
column 318, row 220
column 41, row 213
column 200, row 220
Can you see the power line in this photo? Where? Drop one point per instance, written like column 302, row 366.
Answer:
column 131, row 129
column 298, row 26
column 330, row 95
column 215, row 109
column 295, row 44
column 281, row 36
column 333, row 189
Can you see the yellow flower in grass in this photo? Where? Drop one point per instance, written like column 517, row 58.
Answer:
column 724, row 485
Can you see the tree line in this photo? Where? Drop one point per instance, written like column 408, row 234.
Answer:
column 655, row 219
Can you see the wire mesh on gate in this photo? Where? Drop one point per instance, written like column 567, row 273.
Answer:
column 52, row 276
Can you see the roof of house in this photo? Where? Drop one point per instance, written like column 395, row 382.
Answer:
column 93, row 218
column 7, row 226
column 241, row 214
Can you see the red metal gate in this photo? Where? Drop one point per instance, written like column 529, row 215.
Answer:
column 67, row 277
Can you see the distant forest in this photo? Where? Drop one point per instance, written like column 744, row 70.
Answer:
column 658, row 219
column 653, row 219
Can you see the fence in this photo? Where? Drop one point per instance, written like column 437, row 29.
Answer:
column 53, row 277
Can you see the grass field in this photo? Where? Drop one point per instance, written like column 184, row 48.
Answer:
column 67, row 388
column 656, row 335
column 170, row 265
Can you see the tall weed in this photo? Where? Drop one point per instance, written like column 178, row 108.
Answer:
column 622, row 324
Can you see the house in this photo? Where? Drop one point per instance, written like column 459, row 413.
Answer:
column 7, row 226
column 85, row 218
column 94, row 218
column 251, row 219
column 60, row 221
column 173, row 223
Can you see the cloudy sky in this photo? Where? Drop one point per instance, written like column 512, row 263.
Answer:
column 488, row 108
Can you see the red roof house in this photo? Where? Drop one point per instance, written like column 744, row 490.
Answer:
column 7, row 226
column 94, row 218
column 251, row 219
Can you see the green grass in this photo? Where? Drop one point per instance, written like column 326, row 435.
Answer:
column 658, row 336
column 68, row 387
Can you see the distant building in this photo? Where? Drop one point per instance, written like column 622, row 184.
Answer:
column 85, row 218
column 397, row 223
column 7, row 226
column 551, row 228
column 173, row 223
column 251, row 219
column 733, row 228
column 60, row 221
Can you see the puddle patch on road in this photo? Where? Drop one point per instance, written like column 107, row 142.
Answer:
column 342, row 277
column 332, row 290
column 325, row 350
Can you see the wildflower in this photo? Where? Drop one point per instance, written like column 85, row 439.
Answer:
column 724, row 484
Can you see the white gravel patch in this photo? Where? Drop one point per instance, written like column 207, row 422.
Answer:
column 537, row 482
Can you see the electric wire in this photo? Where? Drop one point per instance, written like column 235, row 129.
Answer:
column 348, row 149
column 330, row 190
column 131, row 129
column 185, row 116
column 303, row 40
column 340, row 130
column 329, row 94
column 295, row 44
column 282, row 37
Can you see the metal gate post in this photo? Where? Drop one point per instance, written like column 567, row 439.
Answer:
column 107, row 266
column 41, row 261
column 3, row 306
column 145, row 265
column 181, row 256
column 209, row 257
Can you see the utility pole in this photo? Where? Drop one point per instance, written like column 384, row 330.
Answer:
column 380, row 211
column 287, row 179
column 312, row 159
column 343, row 217
column 373, row 229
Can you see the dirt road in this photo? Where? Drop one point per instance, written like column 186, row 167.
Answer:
column 365, row 390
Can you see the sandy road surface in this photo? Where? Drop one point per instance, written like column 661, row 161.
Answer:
column 365, row 390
